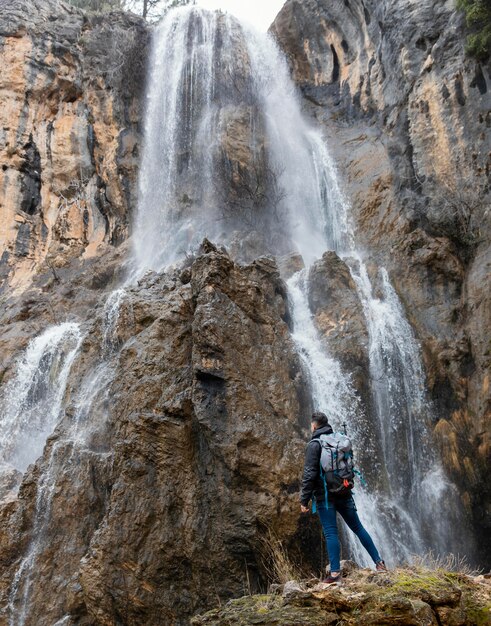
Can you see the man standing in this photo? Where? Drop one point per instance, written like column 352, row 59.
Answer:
column 329, row 504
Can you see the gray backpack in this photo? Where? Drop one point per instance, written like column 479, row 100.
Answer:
column 336, row 462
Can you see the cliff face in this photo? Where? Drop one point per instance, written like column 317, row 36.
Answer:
column 408, row 117
column 71, row 92
column 161, row 478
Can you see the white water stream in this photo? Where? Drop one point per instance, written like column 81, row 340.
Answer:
column 31, row 402
column 45, row 366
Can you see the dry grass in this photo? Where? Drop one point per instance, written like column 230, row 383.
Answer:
column 277, row 565
column 447, row 563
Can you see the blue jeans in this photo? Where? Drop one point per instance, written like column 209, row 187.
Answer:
column 347, row 509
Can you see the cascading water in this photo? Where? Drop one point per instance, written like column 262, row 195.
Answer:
column 210, row 74
column 73, row 443
column 205, row 169
column 181, row 126
column 112, row 309
column 31, row 406
column 330, row 387
column 399, row 514
column 31, row 402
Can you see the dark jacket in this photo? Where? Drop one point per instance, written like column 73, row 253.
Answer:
column 312, row 483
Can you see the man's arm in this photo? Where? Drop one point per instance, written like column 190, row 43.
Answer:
column 310, row 472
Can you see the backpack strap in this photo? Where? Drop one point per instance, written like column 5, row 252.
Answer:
column 314, row 501
column 360, row 476
column 323, row 476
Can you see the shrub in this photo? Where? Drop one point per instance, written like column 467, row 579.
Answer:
column 478, row 18
column 98, row 6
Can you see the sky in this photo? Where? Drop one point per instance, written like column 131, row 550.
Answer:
column 260, row 13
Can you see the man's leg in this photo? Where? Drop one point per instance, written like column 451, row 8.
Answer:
column 347, row 509
column 330, row 529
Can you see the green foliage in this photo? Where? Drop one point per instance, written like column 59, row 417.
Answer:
column 98, row 6
column 478, row 17
column 154, row 9
column 150, row 9
column 178, row 3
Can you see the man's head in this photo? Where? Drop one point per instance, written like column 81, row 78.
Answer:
column 318, row 420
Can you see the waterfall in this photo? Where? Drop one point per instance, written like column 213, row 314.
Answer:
column 330, row 387
column 112, row 309
column 31, row 402
column 176, row 208
column 31, row 406
column 209, row 74
column 72, row 445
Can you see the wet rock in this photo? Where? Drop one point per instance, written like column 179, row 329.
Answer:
column 339, row 317
column 10, row 480
column 290, row 264
column 292, row 587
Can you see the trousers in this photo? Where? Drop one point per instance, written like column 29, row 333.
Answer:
column 347, row 509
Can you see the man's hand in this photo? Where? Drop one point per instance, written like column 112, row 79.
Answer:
column 304, row 509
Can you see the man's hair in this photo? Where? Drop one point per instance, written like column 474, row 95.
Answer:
column 320, row 418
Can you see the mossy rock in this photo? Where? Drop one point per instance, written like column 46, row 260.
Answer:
column 264, row 610
column 407, row 597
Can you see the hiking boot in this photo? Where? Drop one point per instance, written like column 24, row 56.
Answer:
column 332, row 580
column 380, row 566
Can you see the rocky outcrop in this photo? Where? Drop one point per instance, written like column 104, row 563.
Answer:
column 339, row 317
column 71, row 93
column 155, row 508
column 410, row 597
column 408, row 113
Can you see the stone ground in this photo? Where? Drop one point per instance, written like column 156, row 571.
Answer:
column 410, row 596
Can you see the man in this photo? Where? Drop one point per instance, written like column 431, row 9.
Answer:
column 313, row 488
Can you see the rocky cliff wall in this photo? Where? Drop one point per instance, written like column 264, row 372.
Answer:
column 187, row 451
column 71, row 94
column 407, row 115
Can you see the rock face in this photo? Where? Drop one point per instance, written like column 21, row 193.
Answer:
column 71, row 96
column 171, row 481
column 339, row 317
column 408, row 114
